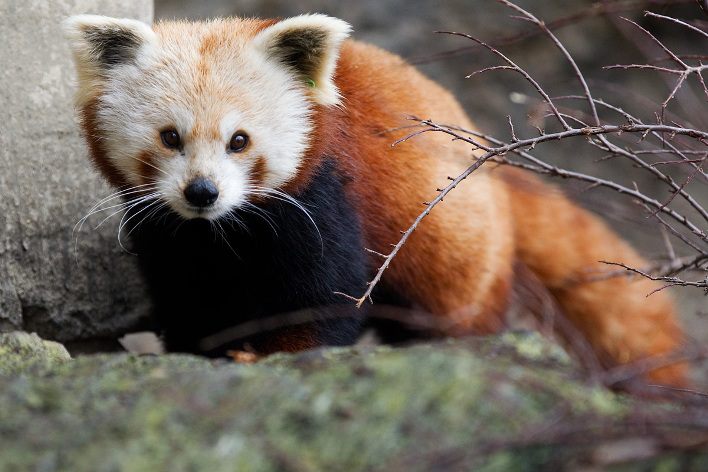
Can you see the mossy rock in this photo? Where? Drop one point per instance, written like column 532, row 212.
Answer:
column 19, row 351
column 513, row 402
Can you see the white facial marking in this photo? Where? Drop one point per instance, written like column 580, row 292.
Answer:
column 231, row 181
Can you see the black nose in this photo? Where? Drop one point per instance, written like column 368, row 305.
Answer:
column 201, row 192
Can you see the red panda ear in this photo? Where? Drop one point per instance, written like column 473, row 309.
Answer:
column 100, row 43
column 308, row 45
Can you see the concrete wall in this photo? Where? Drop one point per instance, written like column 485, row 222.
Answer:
column 47, row 185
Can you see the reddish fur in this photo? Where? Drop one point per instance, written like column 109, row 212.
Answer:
column 89, row 125
column 146, row 166
column 530, row 222
column 258, row 173
column 390, row 184
column 294, row 339
column 618, row 319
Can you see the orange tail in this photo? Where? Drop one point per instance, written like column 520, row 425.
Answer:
column 563, row 245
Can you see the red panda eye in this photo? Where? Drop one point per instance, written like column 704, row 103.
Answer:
column 238, row 142
column 170, row 138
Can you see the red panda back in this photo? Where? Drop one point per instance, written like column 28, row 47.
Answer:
column 459, row 264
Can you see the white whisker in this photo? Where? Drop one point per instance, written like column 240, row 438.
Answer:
column 127, row 206
column 284, row 197
column 97, row 208
column 222, row 234
column 124, row 221
column 149, row 215
column 151, row 165
column 129, row 191
column 260, row 212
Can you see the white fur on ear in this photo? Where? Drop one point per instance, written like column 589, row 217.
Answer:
column 309, row 46
column 106, row 41
column 100, row 43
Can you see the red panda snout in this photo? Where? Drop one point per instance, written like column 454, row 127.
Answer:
column 201, row 192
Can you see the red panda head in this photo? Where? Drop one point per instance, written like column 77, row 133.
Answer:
column 204, row 116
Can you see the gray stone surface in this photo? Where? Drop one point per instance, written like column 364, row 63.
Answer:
column 47, row 184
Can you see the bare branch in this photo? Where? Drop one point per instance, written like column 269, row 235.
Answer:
column 668, row 51
column 516, row 68
column 672, row 281
column 545, row 168
column 594, row 10
column 677, row 21
column 563, row 50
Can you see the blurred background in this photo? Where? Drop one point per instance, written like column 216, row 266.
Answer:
column 596, row 35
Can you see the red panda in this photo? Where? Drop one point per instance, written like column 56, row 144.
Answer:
column 256, row 162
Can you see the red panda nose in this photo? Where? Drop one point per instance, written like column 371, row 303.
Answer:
column 201, row 192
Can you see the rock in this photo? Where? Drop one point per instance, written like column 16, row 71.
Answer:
column 142, row 343
column 20, row 351
column 47, row 185
column 500, row 403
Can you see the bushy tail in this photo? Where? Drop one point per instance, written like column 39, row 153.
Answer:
column 563, row 245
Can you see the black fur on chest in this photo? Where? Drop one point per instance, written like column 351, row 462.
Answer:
column 207, row 277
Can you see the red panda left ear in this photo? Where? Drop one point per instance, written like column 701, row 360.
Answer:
column 99, row 44
column 309, row 46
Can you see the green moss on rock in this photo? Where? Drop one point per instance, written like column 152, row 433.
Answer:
column 471, row 404
column 19, row 351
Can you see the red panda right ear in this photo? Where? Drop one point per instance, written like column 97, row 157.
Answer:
column 308, row 46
